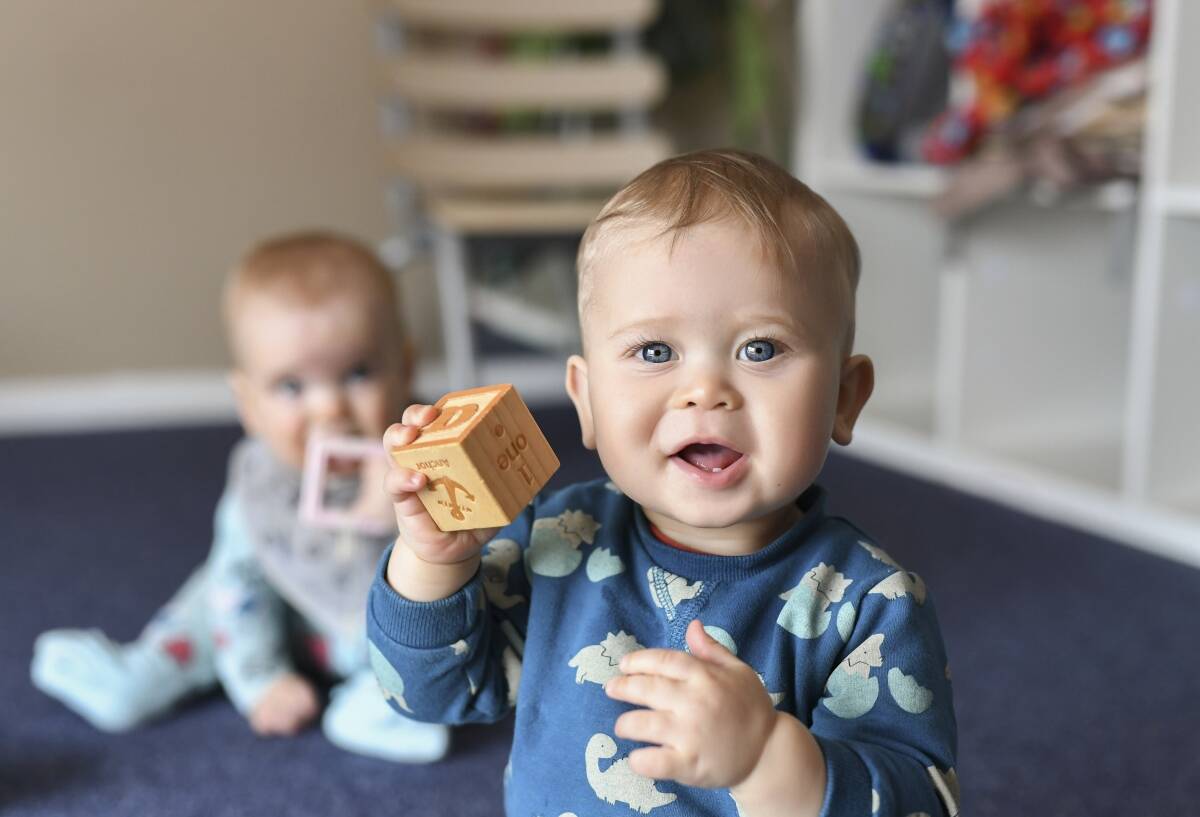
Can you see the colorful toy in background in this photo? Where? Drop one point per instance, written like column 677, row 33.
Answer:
column 1017, row 51
column 907, row 81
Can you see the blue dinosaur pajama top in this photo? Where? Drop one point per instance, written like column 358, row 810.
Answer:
column 842, row 637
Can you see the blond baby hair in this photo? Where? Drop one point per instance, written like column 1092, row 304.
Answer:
column 798, row 231
column 309, row 267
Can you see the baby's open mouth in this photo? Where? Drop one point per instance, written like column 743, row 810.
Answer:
column 709, row 457
column 343, row 465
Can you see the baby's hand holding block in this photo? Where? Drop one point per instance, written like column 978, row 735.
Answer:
column 484, row 459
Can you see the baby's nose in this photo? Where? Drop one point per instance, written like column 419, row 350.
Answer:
column 707, row 390
column 329, row 407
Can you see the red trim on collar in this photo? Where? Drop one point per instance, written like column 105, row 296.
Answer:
column 667, row 540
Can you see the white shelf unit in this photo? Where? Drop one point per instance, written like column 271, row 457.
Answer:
column 1047, row 356
column 1179, row 112
column 1173, row 456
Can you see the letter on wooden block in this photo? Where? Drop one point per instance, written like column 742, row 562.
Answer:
column 484, row 457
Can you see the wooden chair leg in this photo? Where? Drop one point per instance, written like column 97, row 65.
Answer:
column 449, row 252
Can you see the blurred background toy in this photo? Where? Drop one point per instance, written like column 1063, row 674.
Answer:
column 1019, row 51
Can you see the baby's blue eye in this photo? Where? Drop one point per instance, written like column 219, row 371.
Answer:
column 289, row 386
column 358, row 373
column 757, row 351
column 655, row 352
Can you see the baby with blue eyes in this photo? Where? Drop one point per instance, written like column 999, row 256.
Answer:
column 693, row 634
column 318, row 350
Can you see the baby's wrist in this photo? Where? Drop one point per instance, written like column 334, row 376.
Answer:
column 417, row 579
column 789, row 777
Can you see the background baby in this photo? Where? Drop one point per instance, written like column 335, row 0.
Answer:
column 318, row 349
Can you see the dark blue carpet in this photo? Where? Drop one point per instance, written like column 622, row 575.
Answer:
column 1075, row 668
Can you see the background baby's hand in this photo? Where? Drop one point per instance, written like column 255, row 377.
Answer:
column 707, row 713
column 288, row 705
column 427, row 563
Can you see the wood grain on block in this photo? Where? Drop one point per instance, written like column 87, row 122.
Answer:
column 484, row 459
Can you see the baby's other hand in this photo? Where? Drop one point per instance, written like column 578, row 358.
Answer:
column 288, row 705
column 707, row 715
column 418, row 531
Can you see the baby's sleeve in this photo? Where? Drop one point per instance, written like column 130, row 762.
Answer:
column 456, row 660
column 247, row 617
column 886, row 721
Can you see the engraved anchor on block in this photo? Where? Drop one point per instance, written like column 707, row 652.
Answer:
column 451, row 500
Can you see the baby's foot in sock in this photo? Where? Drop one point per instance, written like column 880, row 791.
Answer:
column 114, row 687
column 359, row 720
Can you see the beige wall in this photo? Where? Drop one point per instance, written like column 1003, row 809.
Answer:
column 143, row 144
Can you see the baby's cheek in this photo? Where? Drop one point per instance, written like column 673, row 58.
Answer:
column 380, row 409
column 296, row 436
column 793, row 461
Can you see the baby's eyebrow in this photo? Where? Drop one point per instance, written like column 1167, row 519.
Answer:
column 758, row 321
column 770, row 320
column 279, row 377
column 644, row 324
column 775, row 315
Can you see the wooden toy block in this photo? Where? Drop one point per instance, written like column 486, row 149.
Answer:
column 484, row 457
column 317, row 456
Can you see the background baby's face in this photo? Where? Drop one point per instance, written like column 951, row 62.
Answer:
column 711, row 378
column 334, row 367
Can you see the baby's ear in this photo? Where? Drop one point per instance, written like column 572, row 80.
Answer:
column 857, row 383
column 577, row 389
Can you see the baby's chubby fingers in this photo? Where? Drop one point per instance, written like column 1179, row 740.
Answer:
column 658, row 763
column 400, row 482
column 652, row 691
column 399, row 435
column 674, row 664
column 415, row 417
column 646, row 726
column 419, row 415
column 403, row 480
